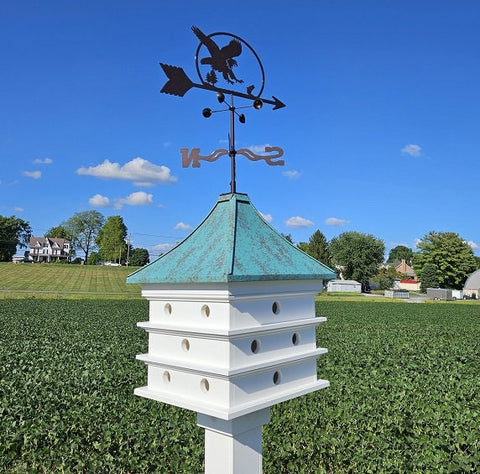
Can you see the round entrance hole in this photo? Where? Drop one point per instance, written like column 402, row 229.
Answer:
column 204, row 385
column 168, row 309
column 255, row 346
column 167, row 377
column 295, row 338
column 277, row 377
column 276, row 307
column 205, row 310
column 186, row 345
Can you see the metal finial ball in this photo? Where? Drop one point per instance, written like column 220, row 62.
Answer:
column 258, row 104
column 206, row 112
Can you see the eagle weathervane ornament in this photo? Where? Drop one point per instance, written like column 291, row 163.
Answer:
column 217, row 60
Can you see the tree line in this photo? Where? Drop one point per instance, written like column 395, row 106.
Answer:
column 443, row 259
column 98, row 238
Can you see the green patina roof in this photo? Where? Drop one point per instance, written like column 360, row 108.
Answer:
column 233, row 243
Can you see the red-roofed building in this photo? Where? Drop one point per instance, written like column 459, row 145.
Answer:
column 405, row 269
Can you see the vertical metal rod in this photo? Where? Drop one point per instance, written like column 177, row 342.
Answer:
column 232, row 152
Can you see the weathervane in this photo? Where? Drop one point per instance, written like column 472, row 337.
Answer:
column 220, row 59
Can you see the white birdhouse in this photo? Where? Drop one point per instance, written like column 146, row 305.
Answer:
column 232, row 327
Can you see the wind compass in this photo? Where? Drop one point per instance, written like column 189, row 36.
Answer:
column 216, row 65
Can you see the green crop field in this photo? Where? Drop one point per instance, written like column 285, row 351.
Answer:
column 65, row 281
column 404, row 394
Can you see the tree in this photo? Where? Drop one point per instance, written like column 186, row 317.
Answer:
column 385, row 278
column 359, row 254
column 287, row 237
column 13, row 232
column 139, row 257
column 94, row 258
column 111, row 240
column 60, row 232
column 451, row 255
column 429, row 277
column 399, row 253
column 83, row 228
column 317, row 247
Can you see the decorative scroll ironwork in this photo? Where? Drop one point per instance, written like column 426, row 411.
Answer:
column 193, row 158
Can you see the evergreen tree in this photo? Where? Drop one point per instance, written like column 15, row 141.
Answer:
column 317, row 247
column 110, row 240
column 429, row 277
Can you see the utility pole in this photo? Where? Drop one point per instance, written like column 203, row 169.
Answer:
column 129, row 243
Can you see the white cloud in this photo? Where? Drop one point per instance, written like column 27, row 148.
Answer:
column 99, row 201
column 416, row 242
column 139, row 198
column 292, row 174
column 259, row 149
column 267, row 217
column 473, row 245
column 46, row 161
column 33, row 174
column 412, row 150
column 182, row 226
column 298, row 221
column 138, row 170
column 335, row 221
column 18, row 209
column 162, row 248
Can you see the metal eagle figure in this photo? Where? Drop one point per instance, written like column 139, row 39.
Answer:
column 220, row 59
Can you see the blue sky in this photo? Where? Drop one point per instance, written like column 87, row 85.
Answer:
column 380, row 133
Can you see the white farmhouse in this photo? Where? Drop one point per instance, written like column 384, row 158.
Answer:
column 49, row 249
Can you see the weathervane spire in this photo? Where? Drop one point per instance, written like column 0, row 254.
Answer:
column 221, row 57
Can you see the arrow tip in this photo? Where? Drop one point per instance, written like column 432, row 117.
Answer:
column 278, row 103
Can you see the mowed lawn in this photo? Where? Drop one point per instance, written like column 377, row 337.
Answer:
column 58, row 278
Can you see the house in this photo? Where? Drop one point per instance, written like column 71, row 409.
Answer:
column 410, row 285
column 344, row 286
column 405, row 269
column 49, row 249
column 471, row 288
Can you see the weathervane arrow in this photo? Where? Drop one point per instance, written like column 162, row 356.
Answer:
column 179, row 84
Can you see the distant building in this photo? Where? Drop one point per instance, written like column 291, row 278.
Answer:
column 49, row 249
column 344, row 286
column 405, row 269
column 410, row 285
column 472, row 285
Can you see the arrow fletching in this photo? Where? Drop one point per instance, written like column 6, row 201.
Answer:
column 178, row 82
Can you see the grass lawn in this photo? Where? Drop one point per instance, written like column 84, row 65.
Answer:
column 50, row 280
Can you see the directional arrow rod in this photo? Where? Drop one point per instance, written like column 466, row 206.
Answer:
column 179, row 84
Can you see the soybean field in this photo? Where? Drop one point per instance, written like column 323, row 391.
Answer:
column 404, row 394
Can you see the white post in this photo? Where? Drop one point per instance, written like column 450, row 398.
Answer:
column 235, row 446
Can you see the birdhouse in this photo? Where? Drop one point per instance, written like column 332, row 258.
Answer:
column 232, row 326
